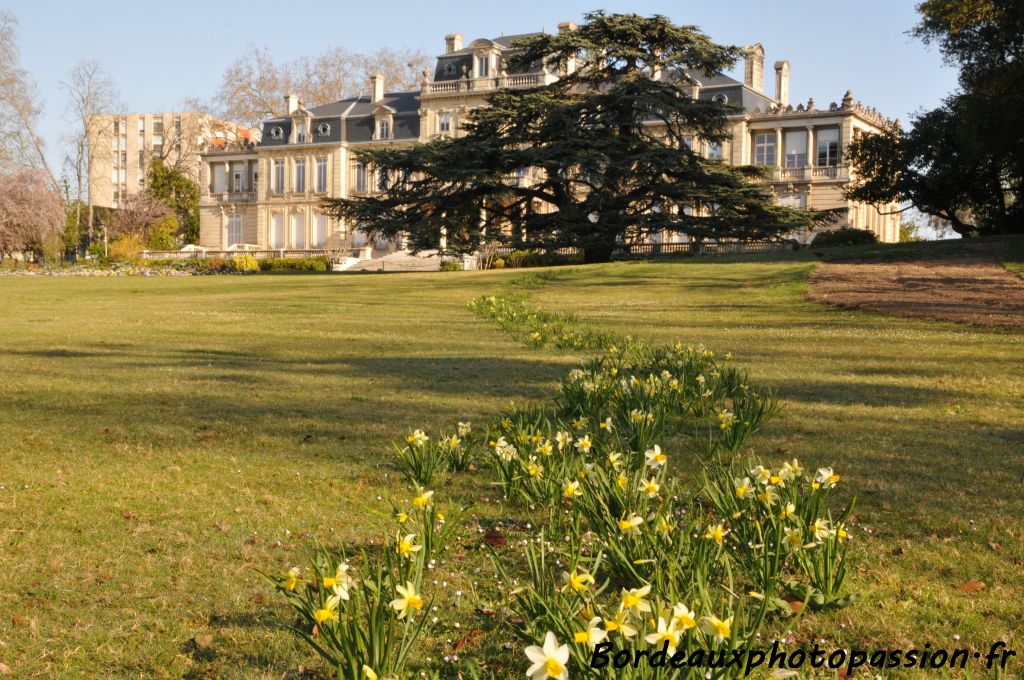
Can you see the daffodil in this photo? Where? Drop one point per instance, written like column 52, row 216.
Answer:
column 464, row 429
column 453, row 442
column 329, row 612
column 654, row 457
column 622, row 480
column 368, row 673
column 651, row 488
column 716, row 533
column 340, row 582
column 549, row 661
column 793, row 540
column 664, row 633
column 630, row 524
column 716, row 627
column 788, row 512
column 406, row 546
column 291, row 580
column 614, row 460
column 620, row 623
column 417, row 438
column 545, row 448
column 634, row 598
column 423, row 500
column 583, row 444
column 409, row 601
column 826, row 478
column 726, row 419
column 571, row 489
column 768, row 495
column 791, row 470
column 820, row 529
column 562, row 438
column 682, row 618
column 533, row 468
column 762, row 474
column 592, row 635
column 664, row 525
column 744, row 489
column 577, row 581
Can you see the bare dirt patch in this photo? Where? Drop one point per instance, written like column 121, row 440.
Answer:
column 970, row 291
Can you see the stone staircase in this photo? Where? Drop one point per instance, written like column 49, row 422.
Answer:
column 401, row 261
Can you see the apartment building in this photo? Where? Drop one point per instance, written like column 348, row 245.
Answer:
column 269, row 195
column 123, row 146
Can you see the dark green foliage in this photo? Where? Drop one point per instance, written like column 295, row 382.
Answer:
column 964, row 161
column 601, row 173
column 294, row 264
column 180, row 194
column 845, row 236
column 451, row 266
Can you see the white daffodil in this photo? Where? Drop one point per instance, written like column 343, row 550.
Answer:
column 826, row 478
column 634, row 598
column 417, row 438
column 549, row 661
column 409, row 601
column 406, row 546
column 664, row 633
column 571, row 489
column 682, row 618
column 630, row 524
column 654, row 457
column 744, row 489
column 593, row 635
column 651, row 488
column 716, row 627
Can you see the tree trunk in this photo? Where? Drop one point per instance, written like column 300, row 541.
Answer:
column 598, row 252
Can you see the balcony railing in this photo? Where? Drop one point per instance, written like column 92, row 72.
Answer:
column 813, row 173
column 513, row 81
column 233, row 196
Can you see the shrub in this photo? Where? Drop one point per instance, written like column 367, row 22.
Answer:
column 124, row 249
column 245, row 264
column 162, row 234
column 499, row 264
column 294, row 264
column 451, row 266
column 844, row 237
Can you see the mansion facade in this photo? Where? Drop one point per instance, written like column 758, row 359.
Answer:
column 268, row 194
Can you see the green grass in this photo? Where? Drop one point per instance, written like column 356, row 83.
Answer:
column 162, row 438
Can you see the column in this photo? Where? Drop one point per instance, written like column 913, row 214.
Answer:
column 812, row 149
column 227, row 178
column 779, row 151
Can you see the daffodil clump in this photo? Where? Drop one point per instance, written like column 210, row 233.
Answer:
column 422, row 457
column 362, row 615
column 537, row 327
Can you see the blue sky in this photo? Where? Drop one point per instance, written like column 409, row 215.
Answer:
column 159, row 53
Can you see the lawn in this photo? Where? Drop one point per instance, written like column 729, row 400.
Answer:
column 164, row 438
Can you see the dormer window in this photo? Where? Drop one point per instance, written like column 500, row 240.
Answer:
column 483, row 65
column 277, row 132
column 383, row 129
column 324, row 129
column 444, row 122
column 449, row 69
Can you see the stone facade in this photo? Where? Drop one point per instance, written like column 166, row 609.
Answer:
column 269, row 195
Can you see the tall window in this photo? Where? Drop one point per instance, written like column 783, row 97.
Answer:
column 483, row 67
column 321, row 175
column 796, row 148
column 236, row 180
column 828, row 146
column 715, row 150
column 384, row 129
column 764, row 149
column 444, row 122
column 361, row 178
column 382, row 180
column 319, row 231
column 236, row 229
column 278, row 187
column 298, row 231
column 300, row 175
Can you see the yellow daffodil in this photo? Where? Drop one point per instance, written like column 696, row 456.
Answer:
column 545, row 448
column 682, row 618
column 717, row 628
column 592, row 635
column 744, row 489
column 417, row 438
column 761, row 474
column 576, row 581
column 664, row 525
column 549, row 661
column 651, row 487
column 406, row 546
column 571, row 489
column 634, row 599
column 630, row 524
column 368, row 673
column 453, row 442
column 726, row 419
column 423, row 500
column 716, row 533
column 562, row 438
column 820, row 529
column 614, row 460
column 583, row 444
column 654, row 457
column 664, row 633
column 533, row 468
column 329, row 612
column 622, row 480
column 768, row 495
column 788, row 512
column 793, row 540
column 291, row 580
column 791, row 470
column 409, row 601
column 620, row 623
column 826, row 478
column 840, row 532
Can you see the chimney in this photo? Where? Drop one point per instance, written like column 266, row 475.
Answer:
column 452, row 43
column 292, row 102
column 376, row 87
column 566, row 26
column 782, row 83
column 753, row 67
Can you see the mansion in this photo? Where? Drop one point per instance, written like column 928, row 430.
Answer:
column 267, row 194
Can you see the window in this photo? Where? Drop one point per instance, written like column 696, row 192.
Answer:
column 278, row 177
column 276, row 132
column 219, row 178
column 444, row 122
column 142, row 159
column 828, row 146
column 300, row 135
column 277, row 231
column 715, row 150
column 300, row 175
column 483, row 66
column 321, row 175
column 361, row 178
column 720, row 99
column 688, row 142
column 382, row 180
column 236, row 180
column 177, row 126
column 324, row 129
column 235, row 229
column 319, row 231
column 796, row 148
column 158, row 127
column 449, row 69
column 124, row 159
column 384, row 129
column 764, row 149
column 255, row 178
column 298, row 232
column 142, row 124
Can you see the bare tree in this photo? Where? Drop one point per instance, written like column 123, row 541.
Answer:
column 135, row 213
column 92, row 101
column 31, row 211
column 20, row 143
column 253, row 86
